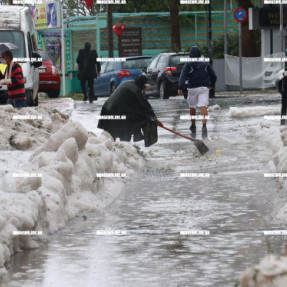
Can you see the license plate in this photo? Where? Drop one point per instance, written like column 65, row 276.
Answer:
column 42, row 70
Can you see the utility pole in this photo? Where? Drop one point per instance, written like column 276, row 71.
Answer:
column 225, row 28
column 110, row 31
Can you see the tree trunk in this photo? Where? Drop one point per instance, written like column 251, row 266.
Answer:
column 249, row 48
column 110, row 31
column 174, row 26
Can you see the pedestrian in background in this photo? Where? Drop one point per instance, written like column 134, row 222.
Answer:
column 13, row 78
column 88, row 70
column 201, row 83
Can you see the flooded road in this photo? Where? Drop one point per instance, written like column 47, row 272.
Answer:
column 233, row 206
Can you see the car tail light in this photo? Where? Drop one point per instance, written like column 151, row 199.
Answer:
column 169, row 70
column 124, row 73
column 54, row 70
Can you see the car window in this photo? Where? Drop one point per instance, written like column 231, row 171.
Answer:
column 17, row 38
column 103, row 67
column 111, row 67
column 153, row 64
column 34, row 42
column 175, row 60
column 30, row 47
column 161, row 61
column 136, row 63
column 44, row 56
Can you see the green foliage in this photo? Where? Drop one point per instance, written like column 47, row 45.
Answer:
column 70, row 8
column 218, row 47
column 153, row 6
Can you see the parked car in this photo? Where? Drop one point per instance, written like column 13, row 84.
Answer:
column 114, row 73
column 16, row 27
column 163, row 75
column 50, row 81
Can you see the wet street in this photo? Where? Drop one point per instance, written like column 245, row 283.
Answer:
column 234, row 205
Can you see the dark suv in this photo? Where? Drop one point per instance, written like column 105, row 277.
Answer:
column 163, row 75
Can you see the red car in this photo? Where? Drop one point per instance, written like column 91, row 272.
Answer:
column 49, row 78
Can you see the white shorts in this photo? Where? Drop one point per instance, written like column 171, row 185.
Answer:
column 198, row 97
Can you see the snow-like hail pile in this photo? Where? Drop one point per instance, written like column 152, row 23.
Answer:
column 254, row 111
column 50, row 173
column 272, row 270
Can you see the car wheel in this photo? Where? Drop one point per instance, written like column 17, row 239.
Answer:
column 162, row 91
column 54, row 94
column 113, row 88
column 29, row 98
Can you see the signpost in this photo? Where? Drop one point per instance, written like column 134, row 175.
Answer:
column 240, row 15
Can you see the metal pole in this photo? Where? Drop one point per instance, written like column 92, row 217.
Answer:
column 281, row 28
column 271, row 41
column 225, row 28
column 284, row 88
column 209, row 34
column 63, row 50
column 240, row 59
column 77, row 8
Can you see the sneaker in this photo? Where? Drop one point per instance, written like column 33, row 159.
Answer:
column 204, row 132
column 193, row 129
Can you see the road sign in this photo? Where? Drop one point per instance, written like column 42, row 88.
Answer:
column 240, row 14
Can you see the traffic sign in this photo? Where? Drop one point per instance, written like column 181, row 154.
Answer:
column 240, row 14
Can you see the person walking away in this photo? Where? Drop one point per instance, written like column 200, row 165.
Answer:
column 13, row 78
column 201, row 83
column 137, row 115
column 88, row 70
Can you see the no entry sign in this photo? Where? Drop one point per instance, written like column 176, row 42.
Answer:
column 240, row 14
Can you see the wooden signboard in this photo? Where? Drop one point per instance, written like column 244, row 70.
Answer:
column 130, row 42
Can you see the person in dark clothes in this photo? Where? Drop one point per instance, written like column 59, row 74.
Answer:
column 88, row 70
column 201, row 83
column 13, row 78
column 129, row 102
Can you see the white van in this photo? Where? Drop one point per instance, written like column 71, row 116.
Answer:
column 16, row 27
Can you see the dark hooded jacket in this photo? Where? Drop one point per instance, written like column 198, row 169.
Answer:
column 198, row 74
column 128, row 100
column 87, row 61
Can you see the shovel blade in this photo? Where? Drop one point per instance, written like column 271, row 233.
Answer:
column 202, row 148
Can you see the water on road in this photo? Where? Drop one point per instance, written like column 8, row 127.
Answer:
column 234, row 204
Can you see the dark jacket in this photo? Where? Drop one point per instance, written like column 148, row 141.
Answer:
column 128, row 100
column 198, row 74
column 87, row 61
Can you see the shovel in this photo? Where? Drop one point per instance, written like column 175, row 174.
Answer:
column 200, row 145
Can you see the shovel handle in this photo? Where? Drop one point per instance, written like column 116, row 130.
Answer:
column 162, row 126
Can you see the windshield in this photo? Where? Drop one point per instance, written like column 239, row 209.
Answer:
column 44, row 56
column 17, row 38
column 136, row 63
column 175, row 60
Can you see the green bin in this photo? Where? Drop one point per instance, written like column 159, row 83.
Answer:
column 75, row 84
